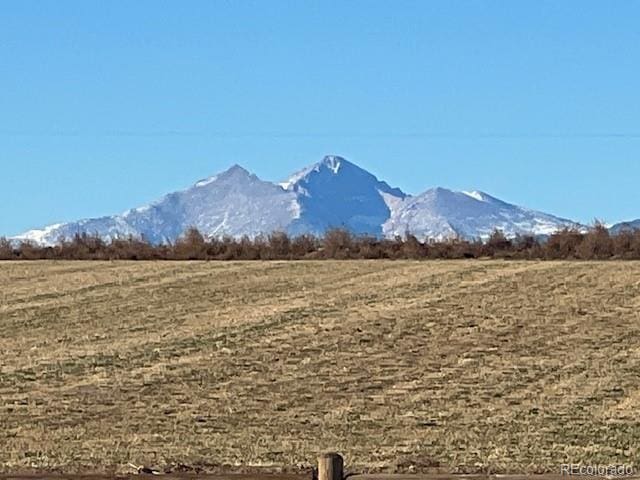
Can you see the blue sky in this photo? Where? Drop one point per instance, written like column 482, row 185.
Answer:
column 108, row 105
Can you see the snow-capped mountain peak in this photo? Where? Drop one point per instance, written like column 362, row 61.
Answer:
column 330, row 164
column 333, row 162
column 333, row 193
column 440, row 213
column 235, row 171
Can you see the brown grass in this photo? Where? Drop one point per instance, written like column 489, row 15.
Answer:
column 467, row 366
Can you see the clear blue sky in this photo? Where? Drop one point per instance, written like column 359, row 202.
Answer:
column 108, row 105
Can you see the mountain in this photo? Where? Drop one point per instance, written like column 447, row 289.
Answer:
column 233, row 203
column 337, row 193
column 333, row 193
column 622, row 226
column 440, row 213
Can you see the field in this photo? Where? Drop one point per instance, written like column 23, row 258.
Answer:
column 470, row 366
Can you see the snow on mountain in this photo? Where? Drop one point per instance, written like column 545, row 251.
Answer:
column 440, row 213
column 233, row 203
column 40, row 237
column 333, row 193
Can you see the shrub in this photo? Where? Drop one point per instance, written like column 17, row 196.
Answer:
column 337, row 244
column 278, row 246
column 304, row 245
column 563, row 244
column 132, row 248
column 497, row 245
column 6, row 249
column 596, row 244
column 191, row 246
column 29, row 251
column 413, row 248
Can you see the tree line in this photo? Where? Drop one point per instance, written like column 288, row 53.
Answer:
column 595, row 244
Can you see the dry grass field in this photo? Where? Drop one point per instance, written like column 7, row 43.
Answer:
column 470, row 366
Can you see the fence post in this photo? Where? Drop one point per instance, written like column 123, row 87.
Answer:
column 330, row 466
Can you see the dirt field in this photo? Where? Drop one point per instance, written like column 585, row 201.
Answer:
column 466, row 366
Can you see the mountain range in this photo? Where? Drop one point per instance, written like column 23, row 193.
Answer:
column 333, row 193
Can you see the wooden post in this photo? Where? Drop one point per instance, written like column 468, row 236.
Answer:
column 330, row 466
